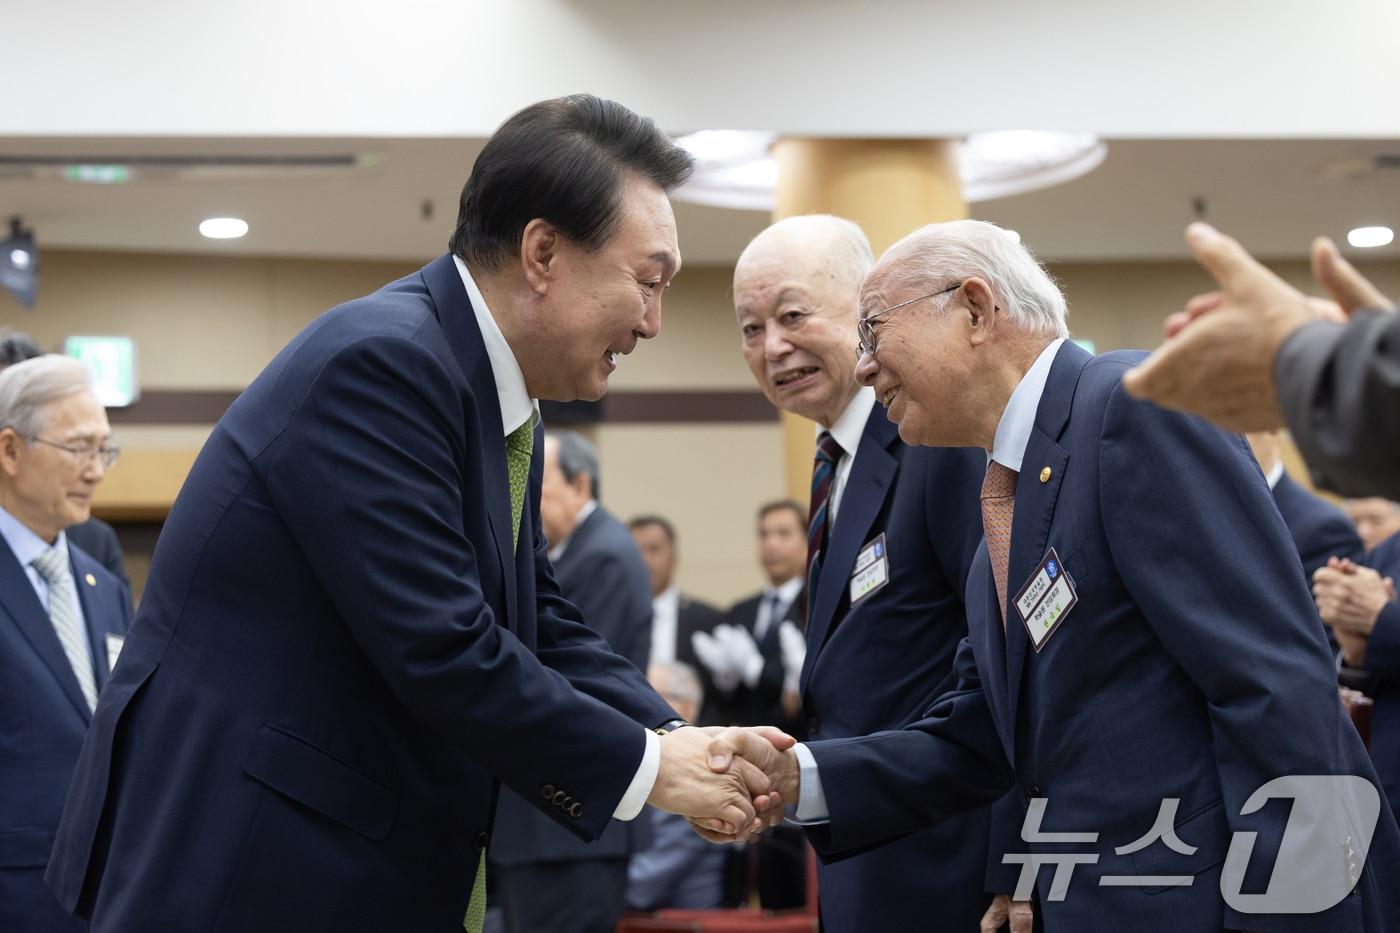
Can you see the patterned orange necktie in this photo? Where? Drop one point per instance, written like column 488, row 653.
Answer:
column 998, row 507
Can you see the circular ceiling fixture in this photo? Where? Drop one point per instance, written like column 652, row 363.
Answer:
column 223, row 228
column 1370, row 237
column 734, row 168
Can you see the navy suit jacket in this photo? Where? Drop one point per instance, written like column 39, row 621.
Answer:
column 43, row 718
column 602, row 573
column 1193, row 667
column 878, row 666
column 337, row 656
column 1383, row 662
column 1319, row 529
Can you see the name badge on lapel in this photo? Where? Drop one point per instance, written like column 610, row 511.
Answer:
column 114, row 648
column 872, row 569
column 1046, row 599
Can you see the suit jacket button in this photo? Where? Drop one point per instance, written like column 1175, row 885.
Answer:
column 576, row 809
column 482, row 840
column 559, row 798
column 547, row 791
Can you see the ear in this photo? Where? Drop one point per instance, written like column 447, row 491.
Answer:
column 582, row 483
column 539, row 255
column 10, row 452
column 981, row 310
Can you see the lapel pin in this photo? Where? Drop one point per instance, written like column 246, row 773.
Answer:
column 91, row 580
column 1045, row 474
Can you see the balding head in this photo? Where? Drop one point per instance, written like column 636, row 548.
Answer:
column 796, row 293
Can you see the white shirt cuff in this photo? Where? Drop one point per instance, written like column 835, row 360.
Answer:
column 642, row 782
column 811, row 805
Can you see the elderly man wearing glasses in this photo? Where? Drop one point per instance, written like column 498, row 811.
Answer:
column 62, row 618
column 891, row 534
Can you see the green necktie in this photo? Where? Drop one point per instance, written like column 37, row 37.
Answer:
column 520, row 447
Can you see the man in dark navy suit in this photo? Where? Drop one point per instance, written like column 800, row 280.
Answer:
column 1142, row 656
column 351, row 636
column 62, row 619
column 889, row 548
column 1319, row 529
column 550, row 879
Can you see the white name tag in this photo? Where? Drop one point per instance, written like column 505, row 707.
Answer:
column 1046, row 599
column 871, row 571
column 114, row 648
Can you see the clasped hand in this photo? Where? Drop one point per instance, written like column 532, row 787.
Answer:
column 729, row 783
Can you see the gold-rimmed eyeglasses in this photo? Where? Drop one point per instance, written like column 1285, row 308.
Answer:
column 865, row 327
column 86, row 453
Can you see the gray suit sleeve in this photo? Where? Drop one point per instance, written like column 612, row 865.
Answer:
column 1339, row 387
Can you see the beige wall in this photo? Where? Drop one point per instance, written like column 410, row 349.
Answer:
column 212, row 323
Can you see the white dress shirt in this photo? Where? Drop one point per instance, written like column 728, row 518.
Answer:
column 848, row 430
column 766, row 616
column 516, row 409
column 1275, row 474
column 665, row 623
column 1008, row 449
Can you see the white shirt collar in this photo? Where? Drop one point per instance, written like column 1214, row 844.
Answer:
column 25, row 544
column 516, row 404
column 787, row 592
column 1014, row 428
column 669, row 598
column 849, row 428
column 1274, row 475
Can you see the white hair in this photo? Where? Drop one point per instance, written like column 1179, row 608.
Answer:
column 847, row 247
column 940, row 255
column 28, row 388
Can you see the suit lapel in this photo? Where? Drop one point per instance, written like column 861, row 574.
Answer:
column 1035, row 507
column 22, row 604
column 870, row 482
column 454, row 312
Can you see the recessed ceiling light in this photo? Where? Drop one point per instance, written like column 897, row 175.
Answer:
column 1367, row 237
column 224, row 228
column 733, row 168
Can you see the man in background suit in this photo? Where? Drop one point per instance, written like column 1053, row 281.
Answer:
column 551, row 880
column 1142, row 655
column 889, row 547
column 676, row 617
column 1319, row 529
column 62, row 619
column 97, row 538
column 351, row 636
column 755, row 657
column 1376, row 519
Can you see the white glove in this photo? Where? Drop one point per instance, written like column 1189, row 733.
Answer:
column 744, row 656
column 716, row 660
column 794, row 648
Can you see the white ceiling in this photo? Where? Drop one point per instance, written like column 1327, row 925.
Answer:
column 1274, row 195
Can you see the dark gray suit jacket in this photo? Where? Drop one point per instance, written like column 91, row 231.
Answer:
column 1339, row 386
column 601, row 572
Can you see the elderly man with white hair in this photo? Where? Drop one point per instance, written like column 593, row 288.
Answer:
column 1143, row 660
column 62, row 618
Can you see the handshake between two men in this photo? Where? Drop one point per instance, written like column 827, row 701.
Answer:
column 730, row 784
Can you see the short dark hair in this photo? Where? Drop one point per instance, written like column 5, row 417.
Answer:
column 641, row 521
column 577, row 455
column 778, row 505
column 16, row 347
column 562, row 160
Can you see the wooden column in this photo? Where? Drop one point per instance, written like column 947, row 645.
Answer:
column 889, row 187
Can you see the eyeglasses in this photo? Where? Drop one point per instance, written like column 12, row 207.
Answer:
column 87, row 453
column 865, row 327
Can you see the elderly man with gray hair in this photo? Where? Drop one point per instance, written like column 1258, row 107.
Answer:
column 1143, row 660
column 62, row 618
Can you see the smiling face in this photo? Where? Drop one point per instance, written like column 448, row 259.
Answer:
column 796, row 311
column 45, row 487
column 593, row 306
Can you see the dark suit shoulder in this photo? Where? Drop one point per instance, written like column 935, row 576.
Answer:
column 1385, row 557
column 745, row 611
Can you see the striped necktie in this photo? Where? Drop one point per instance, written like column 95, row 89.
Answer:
column 520, row 447
column 998, row 509
column 828, row 455
column 63, row 613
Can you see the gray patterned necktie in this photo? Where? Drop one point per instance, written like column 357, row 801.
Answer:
column 63, row 613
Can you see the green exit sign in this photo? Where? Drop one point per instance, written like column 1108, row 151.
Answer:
column 113, row 364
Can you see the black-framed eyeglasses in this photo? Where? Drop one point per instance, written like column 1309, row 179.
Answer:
column 87, row 453
column 865, row 327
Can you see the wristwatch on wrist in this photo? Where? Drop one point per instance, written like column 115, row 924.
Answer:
column 671, row 725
